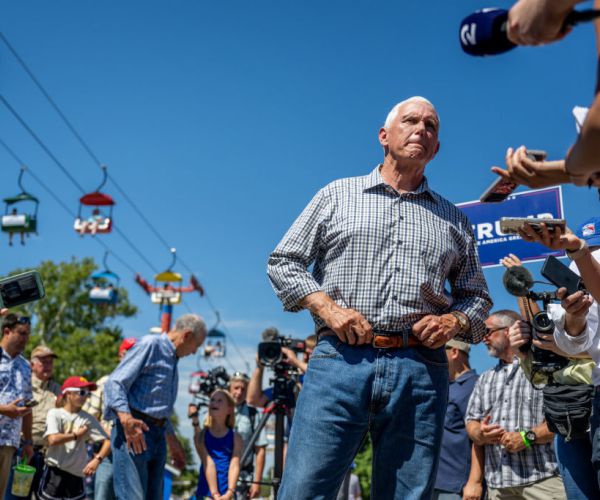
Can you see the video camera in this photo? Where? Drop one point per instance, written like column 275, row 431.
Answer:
column 519, row 282
column 269, row 350
column 205, row 383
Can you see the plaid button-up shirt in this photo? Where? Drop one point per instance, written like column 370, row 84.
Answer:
column 385, row 254
column 15, row 382
column 505, row 393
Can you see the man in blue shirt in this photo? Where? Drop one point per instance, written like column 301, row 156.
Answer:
column 455, row 456
column 140, row 396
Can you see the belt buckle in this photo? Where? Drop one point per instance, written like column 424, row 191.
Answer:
column 392, row 344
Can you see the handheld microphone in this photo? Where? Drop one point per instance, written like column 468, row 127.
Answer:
column 483, row 33
column 518, row 281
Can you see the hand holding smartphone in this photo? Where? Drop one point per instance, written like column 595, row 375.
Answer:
column 502, row 188
column 21, row 289
column 511, row 225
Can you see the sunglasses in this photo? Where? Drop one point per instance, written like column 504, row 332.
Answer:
column 240, row 375
column 79, row 392
column 489, row 331
column 23, row 320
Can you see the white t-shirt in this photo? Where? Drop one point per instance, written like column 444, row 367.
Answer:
column 589, row 340
column 71, row 456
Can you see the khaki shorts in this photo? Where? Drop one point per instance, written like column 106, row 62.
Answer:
column 546, row 489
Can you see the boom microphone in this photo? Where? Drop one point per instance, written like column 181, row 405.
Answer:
column 483, row 33
column 518, row 281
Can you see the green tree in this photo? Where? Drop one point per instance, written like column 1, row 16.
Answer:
column 363, row 461
column 85, row 336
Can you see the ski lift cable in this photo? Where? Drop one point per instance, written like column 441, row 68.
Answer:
column 62, row 203
column 40, row 143
column 80, row 139
column 70, row 177
column 48, row 97
column 97, row 161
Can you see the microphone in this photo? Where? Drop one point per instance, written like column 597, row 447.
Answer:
column 518, row 281
column 270, row 334
column 483, row 33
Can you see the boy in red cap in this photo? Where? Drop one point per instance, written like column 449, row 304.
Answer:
column 67, row 431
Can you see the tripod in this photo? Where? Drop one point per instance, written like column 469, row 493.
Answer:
column 283, row 401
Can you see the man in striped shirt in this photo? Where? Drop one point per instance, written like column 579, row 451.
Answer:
column 505, row 416
column 140, row 397
column 383, row 248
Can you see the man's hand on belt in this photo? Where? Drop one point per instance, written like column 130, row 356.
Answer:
column 435, row 331
column 349, row 325
column 134, row 432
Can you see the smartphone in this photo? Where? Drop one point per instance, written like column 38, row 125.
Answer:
column 501, row 188
column 511, row 225
column 21, row 289
column 31, row 403
column 560, row 275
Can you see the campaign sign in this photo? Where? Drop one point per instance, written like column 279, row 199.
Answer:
column 493, row 244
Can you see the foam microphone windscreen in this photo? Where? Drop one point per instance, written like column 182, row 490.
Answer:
column 483, row 33
column 518, row 281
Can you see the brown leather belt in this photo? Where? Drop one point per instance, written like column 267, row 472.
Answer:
column 388, row 341
column 159, row 422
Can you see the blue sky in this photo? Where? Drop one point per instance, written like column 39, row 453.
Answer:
column 222, row 119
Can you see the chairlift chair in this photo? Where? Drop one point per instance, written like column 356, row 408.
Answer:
column 216, row 344
column 16, row 218
column 95, row 222
column 104, row 286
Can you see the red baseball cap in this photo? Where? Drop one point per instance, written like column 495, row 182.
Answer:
column 127, row 344
column 78, row 383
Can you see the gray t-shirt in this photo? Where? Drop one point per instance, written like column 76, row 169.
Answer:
column 71, row 456
column 244, row 427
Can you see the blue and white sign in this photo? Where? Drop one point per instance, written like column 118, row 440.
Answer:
column 493, row 244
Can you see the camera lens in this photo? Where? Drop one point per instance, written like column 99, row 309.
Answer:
column 542, row 323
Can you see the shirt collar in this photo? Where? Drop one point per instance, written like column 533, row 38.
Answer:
column 169, row 345
column 465, row 376
column 375, row 179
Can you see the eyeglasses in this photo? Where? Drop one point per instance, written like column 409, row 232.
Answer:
column 78, row 392
column 489, row 331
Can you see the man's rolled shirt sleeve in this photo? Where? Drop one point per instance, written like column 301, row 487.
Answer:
column 475, row 410
column 469, row 290
column 122, row 378
column 287, row 267
column 568, row 343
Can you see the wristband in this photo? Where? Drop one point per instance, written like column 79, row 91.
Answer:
column 525, row 440
column 580, row 252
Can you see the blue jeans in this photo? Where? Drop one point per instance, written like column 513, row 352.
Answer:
column 575, row 464
column 138, row 477
column 595, row 435
column 103, row 483
column 398, row 395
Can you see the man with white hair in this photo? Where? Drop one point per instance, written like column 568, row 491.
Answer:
column 382, row 246
column 140, row 396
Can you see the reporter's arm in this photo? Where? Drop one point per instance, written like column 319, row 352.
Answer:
column 583, row 159
column 255, row 396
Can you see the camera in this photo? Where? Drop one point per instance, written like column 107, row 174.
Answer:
column 270, row 353
column 203, row 384
column 542, row 360
column 519, row 282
